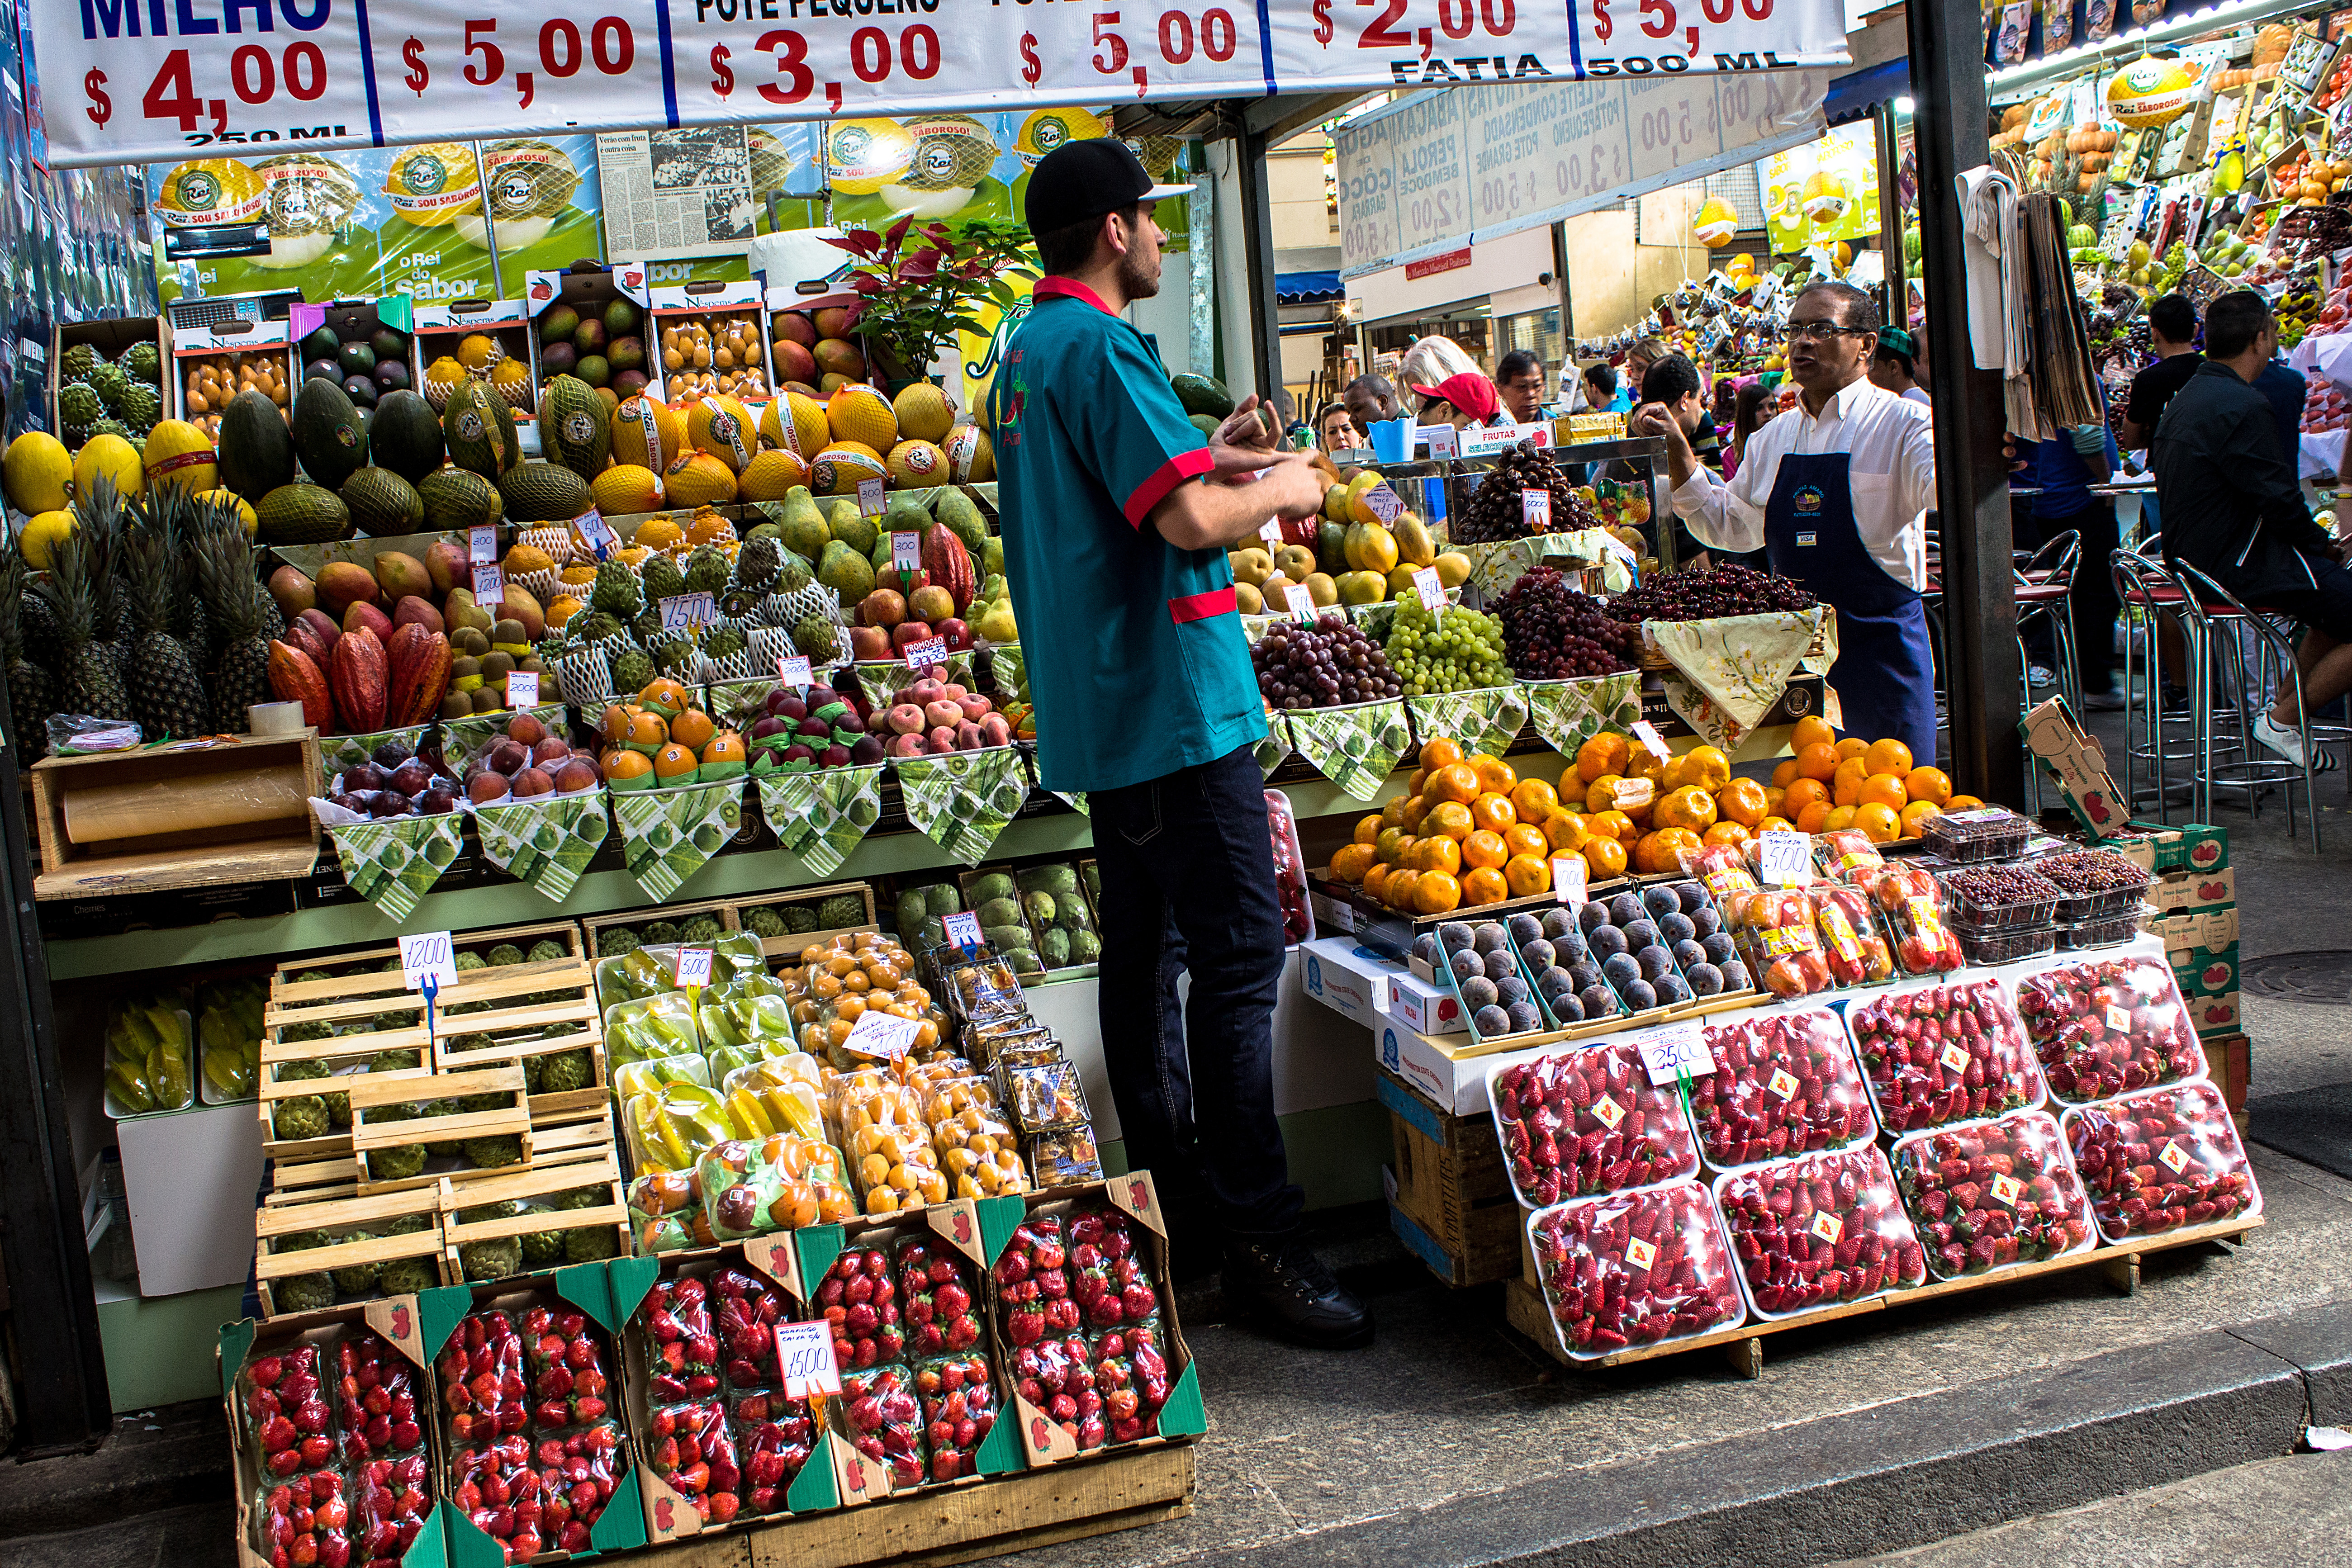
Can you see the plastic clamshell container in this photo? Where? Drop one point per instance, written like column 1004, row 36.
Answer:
column 1785, row 1083
column 1976, row 901
column 1778, row 942
column 1661, row 903
column 1841, row 1209
column 2074, row 908
column 2161, row 1160
column 1575, row 1122
column 1939, row 1051
column 2105, row 1026
column 1634, row 1268
column 1912, row 906
column 1990, row 949
column 2111, row 931
column 1853, row 943
column 1987, row 1195
column 1987, row 832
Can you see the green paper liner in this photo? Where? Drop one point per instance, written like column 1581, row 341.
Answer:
column 468, row 735
column 884, row 677
column 737, row 704
column 546, row 846
column 337, row 753
column 822, row 814
column 1567, row 713
column 962, row 800
column 1075, row 800
column 394, row 863
column 1494, row 567
column 668, row 835
column 1484, row 719
column 1273, row 750
column 1356, row 747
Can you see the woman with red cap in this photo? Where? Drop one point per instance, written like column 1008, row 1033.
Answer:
column 1463, row 400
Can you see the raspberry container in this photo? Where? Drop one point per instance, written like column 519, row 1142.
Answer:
column 1642, row 1268
column 1574, row 1124
column 1784, row 1083
column 1943, row 1051
column 2161, row 1160
column 1987, row 832
column 1988, row 1194
column 2094, row 884
column 1990, row 898
column 2112, row 930
column 1819, row 1230
column 2011, row 944
column 2108, row 1026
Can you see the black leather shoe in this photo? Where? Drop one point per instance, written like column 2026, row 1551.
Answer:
column 1280, row 1282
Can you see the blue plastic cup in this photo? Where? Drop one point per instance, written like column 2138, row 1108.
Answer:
column 1391, row 438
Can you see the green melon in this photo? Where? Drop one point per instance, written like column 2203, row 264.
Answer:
column 544, row 492
column 328, row 436
column 257, row 447
column 478, row 428
column 302, row 514
column 573, row 428
column 383, row 503
column 455, row 500
column 405, row 436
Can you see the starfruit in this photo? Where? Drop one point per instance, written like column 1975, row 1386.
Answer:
column 672, row 1126
column 647, row 1077
column 767, row 1096
column 127, row 1083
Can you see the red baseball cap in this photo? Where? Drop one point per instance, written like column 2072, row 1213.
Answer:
column 1470, row 392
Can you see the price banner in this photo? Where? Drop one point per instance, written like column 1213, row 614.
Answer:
column 1569, row 874
column 792, row 670
column 1383, row 504
column 1676, row 1048
column 1787, row 858
column 1432, row 589
column 870, row 503
column 687, row 612
column 693, row 969
column 596, row 533
column 905, row 549
column 1535, row 510
column 128, row 82
column 1300, row 602
column 963, row 928
column 924, row 654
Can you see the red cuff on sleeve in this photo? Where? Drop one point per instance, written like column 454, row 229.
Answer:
column 1166, row 478
column 1202, row 606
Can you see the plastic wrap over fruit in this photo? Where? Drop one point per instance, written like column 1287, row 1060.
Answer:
column 691, row 1451
column 2107, row 1026
column 484, row 1392
column 1943, row 1052
column 1033, row 1283
column 774, row 1435
column 1289, row 869
column 390, row 1500
column 1057, row 1376
column 1131, row 1374
column 935, row 1295
column 571, row 1368
column 1912, row 905
column 1818, row 1230
column 959, row 1400
column 1784, row 1083
column 1847, row 855
column 2161, row 1160
column 883, row 1420
column 1776, row 933
column 1990, row 1194
column 778, row 1094
column 681, row 1346
column 661, row 1026
column 858, row 1297
column 287, row 1413
column 1852, row 944
column 376, row 1404
column 670, row 1128
column 1577, row 1123
column 666, row 1212
column 303, row 1521
column 649, row 1077
column 1634, row 1268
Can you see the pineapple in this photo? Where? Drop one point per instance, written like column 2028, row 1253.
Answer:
column 166, row 693
column 224, row 568
column 32, row 690
column 93, row 683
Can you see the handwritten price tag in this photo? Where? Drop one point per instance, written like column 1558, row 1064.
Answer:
column 693, row 968
column 869, row 497
column 685, row 612
column 1271, row 532
column 963, row 928
column 1426, row 584
column 426, row 955
column 522, row 689
column 482, row 544
column 1787, row 857
column 804, row 1350
column 1647, row 734
column 1383, row 503
column 596, row 533
column 905, row 549
column 792, row 670
column 489, row 586
column 1569, row 873
column 927, row 652
column 1301, row 602
column 1535, row 510
column 880, row 1034
column 1675, row 1047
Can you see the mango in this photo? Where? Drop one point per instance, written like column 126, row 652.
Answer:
column 1324, row 590
column 1371, row 548
column 1362, row 588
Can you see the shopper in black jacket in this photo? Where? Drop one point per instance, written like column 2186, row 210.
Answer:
column 2234, row 510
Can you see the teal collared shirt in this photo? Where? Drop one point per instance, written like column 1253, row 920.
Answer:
column 1135, row 654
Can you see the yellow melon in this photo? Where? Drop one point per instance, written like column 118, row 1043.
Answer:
column 839, row 467
column 723, row 427
column 804, row 434
column 115, row 459
column 646, row 435
column 628, row 488
column 860, row 413
column 917, row 465
column 180, row 457
column 698, row 478
column 243, row 507
column 771, row 476
column 971, row 460
column 922, row 413
column 560, row 609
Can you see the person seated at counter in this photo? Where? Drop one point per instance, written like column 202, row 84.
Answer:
column 1463, row 401
column 1335, row 429
column 1520, row 380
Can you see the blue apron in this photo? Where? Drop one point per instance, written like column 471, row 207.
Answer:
column 1886, row 672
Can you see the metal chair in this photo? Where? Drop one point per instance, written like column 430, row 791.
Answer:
column 2045, row 587
column 2209, row 608
column 2150, row 597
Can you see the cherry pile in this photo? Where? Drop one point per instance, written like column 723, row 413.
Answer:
column 1327, row 665
column 1550, row 632
column 1494, row 510
column 1725, row 589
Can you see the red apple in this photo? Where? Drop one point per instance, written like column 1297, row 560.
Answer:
column 870, row 644
column 955, row 633
column 882, row 608
column 907, row 634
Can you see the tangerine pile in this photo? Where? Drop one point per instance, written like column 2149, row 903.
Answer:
column 1468, row 832
column 1872, row 786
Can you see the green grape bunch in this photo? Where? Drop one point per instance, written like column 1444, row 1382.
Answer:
column 1458, row 652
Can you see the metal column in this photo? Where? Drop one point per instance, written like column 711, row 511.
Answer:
column 1981, row 674
column 1888, row 149
column 1257, row 256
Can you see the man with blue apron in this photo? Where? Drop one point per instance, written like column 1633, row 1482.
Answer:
column 1832, row 491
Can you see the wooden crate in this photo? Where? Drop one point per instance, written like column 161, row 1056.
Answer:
column 1453, row 1205
column 280, row 847
column 372, row 1091
column 276, row 1221
column 595, row 926
column 789, row 945
column 541, row 1181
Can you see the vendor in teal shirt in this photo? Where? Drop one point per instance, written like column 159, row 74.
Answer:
column 1116, row 516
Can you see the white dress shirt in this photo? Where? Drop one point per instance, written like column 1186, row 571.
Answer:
column 1892, row 473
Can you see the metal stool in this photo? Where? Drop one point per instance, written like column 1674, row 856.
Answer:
column 2149, row 596
column 2211, row 606
column 2045, row 585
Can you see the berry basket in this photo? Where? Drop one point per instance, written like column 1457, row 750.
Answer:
column 1784, row 1083
column 1576, row 1122
column 1946, row 1051
column 2111, row 931
column 2004, row 945
column 2094, row 885
column 1990, row 899
column 1963, row 837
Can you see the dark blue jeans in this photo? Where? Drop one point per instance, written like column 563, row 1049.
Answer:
column 1187, row 870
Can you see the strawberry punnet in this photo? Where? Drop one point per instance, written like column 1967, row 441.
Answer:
column 571, row 1383
column 1635, row 1268
column 745, row 1310
column 390, row 1498
column 1131, row 1375
column 958, row 1411
column 884, row 1420
column 2161, row 1159
column 691, row 1449
column 936, row 1296
column 1993, row 1194
column 2108, row 1026
column 305, row 1523
column 1577, row 1123
column 860, row 1299
column 775, row 1436
column 682, row 1347
column 286, row 1405
column 1109, row 1277
column 1784, row 1083
column 375, row 1400
column 1936, row 1054
column 1821, row 1229
column 1033, row 1283
column 481, row 1377
column 1057, row 1376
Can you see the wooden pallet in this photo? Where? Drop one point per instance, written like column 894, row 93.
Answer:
column 340, row 1211
column 1452, row 1188
column 1525, row 1308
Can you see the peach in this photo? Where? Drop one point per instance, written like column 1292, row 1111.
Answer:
column 974, row 708
column 967, row 734
column 942, row 741
column 576, row 774
column 507, row 756
column 906, row 719
column 908, row 746
column 942, row 714
column 526, row 728
column 548, row 750
column 994, row 730
column 485, row 787
column 929, row 691
column 531, row 780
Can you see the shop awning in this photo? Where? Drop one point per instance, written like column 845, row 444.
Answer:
column 1305, row 287
column 1857, row 94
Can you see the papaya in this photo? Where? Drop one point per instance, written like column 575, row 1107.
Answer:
column 1370, row 547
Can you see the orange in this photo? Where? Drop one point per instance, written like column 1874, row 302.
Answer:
column 1645, row 854
column 1688, row 807
column 1775, row 825
column 1439, row 753
column 1413, row 784
column 1813, row 816
column 1352, row 862
column 1885, row 789
column 1774, row 795
column 1393, row 811
column 1817, row 762
column 1785, row 775
column 1603, row 858
column 1601, row 756
column 1533, row 800
column 1706, row 766
column 1851, row 746
column 1526, row 838
column 1643, row 764
column 1888, row 757
column 1565, row 831
column 1964, row 802
column 1878, row 822
column 1484, row 850
column 1732, row 833
column 1484, row 886
column 1436, row 893
column 1450, row 818
column 1439, row 854
column 1802, row 793
column 1493, row 812
column 1813, row 730
column 1367, row 828
column 1527, row 875
column 1602, row 794
column 1376, row 880
column 1494, row 775
column 1669, row 845
column 1845, row 789
column 1455, row 781
column 1929, row 784
column 1402, row 891
column 1741, row 801
column 1839, row 816
column 1615, row 824
column 1669, row 773
column 1416, row 808
column 1916, row 814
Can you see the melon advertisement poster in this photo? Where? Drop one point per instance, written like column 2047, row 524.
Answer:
column 363, row 224
column 1823, row 192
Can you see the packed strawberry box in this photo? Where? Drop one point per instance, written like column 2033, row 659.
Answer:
column 2108, row 1025
column 1948, row 1050
column 1819, row 1231
column 2161, row 1160
column 1784, row 1082
column 1575, row 1122
column 1636, row 1269
column 1987, row 1195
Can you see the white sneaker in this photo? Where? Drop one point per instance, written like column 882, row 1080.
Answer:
column 2039, row 676
column 2286, row 743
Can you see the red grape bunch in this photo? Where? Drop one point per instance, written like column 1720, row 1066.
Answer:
column 1327, row 665
column 1726, row 589
column 1550, row 632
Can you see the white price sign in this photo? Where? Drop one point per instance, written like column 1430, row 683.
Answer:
column 924, row 654
column 1425, row 583
column 880, row 1034
column 522, row 689
column 1787, row 858
column 804, row 1351
column 907, row 551
column 1677, row 1046
column 1652, row 741
column 693, row 968
column 1444, row 441
column 1569, row 873
column 1271, row 532
column 482, row 546
column 792, row 670
column 426, row 955
column 596, row 533
column 963, row 928
column 1535, row 510
column 489, row 586
column 685, row 612
column 1300, row 602
column 1382, row 502
column 869, row 497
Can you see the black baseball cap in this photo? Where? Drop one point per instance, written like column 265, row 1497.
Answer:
column 1082, row 180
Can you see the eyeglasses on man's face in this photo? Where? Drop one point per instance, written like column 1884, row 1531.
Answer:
column 1819, row 330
